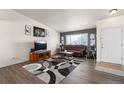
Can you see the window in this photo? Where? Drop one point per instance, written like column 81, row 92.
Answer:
column 92, row 39
column 78, row 39
column 62, row 40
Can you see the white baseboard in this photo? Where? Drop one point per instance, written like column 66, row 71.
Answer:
column 109, row 70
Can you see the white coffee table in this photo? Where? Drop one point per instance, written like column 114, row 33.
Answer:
column 67, row 54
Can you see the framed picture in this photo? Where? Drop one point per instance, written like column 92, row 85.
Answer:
column 38, row 32
column 27, row 30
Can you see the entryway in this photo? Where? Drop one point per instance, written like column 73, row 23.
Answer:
column 111, row 45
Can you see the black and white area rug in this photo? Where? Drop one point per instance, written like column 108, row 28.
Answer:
column 52, row 71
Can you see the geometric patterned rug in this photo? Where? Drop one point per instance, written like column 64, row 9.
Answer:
column 53, row 71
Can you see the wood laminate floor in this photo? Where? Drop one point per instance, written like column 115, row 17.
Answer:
column 83, row 74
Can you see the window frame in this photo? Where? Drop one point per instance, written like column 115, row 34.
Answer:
column 81, row 42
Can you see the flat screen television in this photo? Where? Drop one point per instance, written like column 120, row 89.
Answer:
column 40, row 45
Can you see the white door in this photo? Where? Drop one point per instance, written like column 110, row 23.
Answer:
column 111, row 45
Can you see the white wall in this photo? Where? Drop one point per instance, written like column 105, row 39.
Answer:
column 13, row 41
column 117, row 21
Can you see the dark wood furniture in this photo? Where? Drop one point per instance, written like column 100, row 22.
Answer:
column 39, row 55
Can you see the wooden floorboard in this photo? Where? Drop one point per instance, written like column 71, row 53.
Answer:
column 83, row 74
column 86, row 73
column 15, row 74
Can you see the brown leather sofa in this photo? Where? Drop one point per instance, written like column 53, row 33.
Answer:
column 79, row 50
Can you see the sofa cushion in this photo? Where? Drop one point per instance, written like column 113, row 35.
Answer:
column 73, row 51
column 78, row 50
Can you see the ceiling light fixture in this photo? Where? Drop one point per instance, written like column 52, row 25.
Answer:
column 113, row 11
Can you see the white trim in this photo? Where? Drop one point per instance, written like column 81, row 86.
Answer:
column 109, row 70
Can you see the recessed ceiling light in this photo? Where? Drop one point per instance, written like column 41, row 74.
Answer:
column 113, row 11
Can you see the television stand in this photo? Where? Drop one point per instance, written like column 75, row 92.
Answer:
column 39, row 55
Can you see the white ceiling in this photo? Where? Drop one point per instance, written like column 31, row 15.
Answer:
column 68, row 19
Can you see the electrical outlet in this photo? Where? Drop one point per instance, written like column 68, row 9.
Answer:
column 15, row 58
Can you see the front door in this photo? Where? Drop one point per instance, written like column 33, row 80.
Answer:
column 111, row 45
